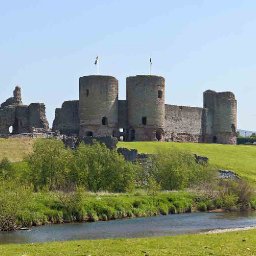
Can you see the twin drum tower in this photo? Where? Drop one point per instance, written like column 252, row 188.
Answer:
column 144, row 116
column 140, row 117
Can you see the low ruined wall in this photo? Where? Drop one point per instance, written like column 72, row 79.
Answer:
column 22, row 118
column 67, row 118
column 184, row 124
column 7, row 119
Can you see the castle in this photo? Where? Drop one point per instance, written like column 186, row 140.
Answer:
column 21, row 118
column 144, row 116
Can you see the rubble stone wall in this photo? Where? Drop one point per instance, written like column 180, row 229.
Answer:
column 67, row 118
column 184, row 124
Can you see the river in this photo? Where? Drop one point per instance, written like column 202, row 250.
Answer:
column 127, row 228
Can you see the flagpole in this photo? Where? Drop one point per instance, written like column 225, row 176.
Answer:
column 150, row 66
column 98, row 67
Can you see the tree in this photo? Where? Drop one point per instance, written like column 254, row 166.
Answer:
column 49, row 164
column 99, row 168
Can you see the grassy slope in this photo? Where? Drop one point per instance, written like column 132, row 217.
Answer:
column 15, row 149
column 232, row 243
column 240, row 158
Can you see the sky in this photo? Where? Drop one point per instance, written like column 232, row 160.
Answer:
column 45, row 46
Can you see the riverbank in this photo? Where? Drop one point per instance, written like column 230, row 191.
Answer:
column 224, row 244
column 58, row 207
column 225, row 230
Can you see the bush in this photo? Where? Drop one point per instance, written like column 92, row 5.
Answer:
column 174, row 169
column 95, row 167
column 13, row 200
column 202, row 207
column 100, row 169
column 234, row 193
column 49, row 165
column 6, row 170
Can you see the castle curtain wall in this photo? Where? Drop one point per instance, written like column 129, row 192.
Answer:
column 184, row 124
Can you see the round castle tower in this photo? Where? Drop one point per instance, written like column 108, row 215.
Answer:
column 98, row 105
column 221, row 120
column 146, row 107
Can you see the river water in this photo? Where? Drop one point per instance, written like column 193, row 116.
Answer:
column 138, row 227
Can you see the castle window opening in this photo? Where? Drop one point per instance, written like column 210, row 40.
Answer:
column 121, row 129
column 160, row 94
column 214, row 140
column 104, row 121
column 89, row 133
column 11, row 129
column 233, row 128
column 144, row 120
column 87, row 92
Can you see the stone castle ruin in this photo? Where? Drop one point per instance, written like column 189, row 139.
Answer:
column 144, row 116
column 17, row 118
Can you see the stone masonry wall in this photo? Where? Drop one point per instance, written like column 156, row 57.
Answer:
column 67, row 118
column 7, row 118
column 98, row 106
column 184, row 124
column 222, row 117
column 22, row 118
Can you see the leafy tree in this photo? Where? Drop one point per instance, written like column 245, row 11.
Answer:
column 99, row 168
column 49, row 164
column 94, row 167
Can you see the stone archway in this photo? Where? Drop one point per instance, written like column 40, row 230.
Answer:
column 159, row 134
column 132, row 134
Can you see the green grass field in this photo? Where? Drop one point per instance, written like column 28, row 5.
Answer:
column 15, row 149
column 224, row 244
column 241, row 159
column 238, row 158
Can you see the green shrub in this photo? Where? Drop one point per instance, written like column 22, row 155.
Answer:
column 51, row 166
column 13, row 200
column 7, row 171
column 100, row 169
column 174, row 169
column 202, row 207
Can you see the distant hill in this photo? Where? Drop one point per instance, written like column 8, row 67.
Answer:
column 245, row 133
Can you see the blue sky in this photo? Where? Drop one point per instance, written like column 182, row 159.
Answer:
column 45, row 46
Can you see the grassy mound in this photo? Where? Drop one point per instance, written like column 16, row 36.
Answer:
column 240, row 159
